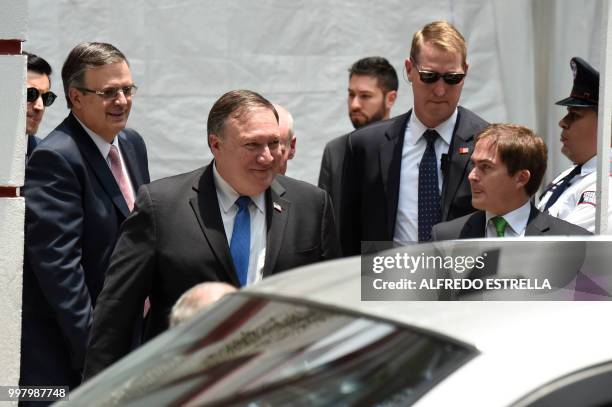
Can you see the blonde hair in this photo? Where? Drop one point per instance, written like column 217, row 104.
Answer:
column 442, row 35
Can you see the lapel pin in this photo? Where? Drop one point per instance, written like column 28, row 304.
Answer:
column 277, row 207
column 464, row 150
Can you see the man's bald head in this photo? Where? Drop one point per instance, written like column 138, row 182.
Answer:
column 197, row 298
column 287, row 137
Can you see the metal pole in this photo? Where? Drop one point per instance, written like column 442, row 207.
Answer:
column 603, row 122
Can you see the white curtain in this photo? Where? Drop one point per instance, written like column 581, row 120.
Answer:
column 186, row 53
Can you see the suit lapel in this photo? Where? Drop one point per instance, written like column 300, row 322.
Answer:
column 98, row 164
column 130, row 159
column 463, row 140
column 206, row 210
column 391, row 166
column 537, row 223
column 277, row 214
column 474, row 227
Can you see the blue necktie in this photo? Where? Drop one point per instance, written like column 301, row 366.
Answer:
column 429, row 193
column 561, row 186
column 240, row 246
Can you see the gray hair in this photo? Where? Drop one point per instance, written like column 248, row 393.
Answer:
column 235, row 104
column 84, row 56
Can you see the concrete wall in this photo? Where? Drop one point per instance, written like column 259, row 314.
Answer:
column 13, row 29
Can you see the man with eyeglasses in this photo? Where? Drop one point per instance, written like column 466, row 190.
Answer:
column 235, row 220
column 401, row 176
column 39, row 96
column 572, row 195
column 80, row 186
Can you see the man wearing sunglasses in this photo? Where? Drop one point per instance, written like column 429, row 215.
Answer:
column 80, row 186
column 39, row 96
column 402, row 176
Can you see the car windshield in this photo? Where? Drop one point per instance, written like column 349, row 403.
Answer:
column 258, row 351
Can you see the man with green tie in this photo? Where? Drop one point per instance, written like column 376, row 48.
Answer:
column 509, row 162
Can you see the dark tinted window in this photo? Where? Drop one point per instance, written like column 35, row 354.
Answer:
column 258, row 352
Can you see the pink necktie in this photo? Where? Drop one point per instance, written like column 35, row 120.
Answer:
column 121, row 179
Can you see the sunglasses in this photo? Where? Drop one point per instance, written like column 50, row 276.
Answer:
column 451, row 78
column 48, row 97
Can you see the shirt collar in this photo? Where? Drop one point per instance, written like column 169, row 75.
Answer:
column 228, row 195
column 589, row 166
column 517, row 219
column 444, row 129
column 103, row 145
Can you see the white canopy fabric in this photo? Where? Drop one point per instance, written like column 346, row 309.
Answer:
column 184, row 54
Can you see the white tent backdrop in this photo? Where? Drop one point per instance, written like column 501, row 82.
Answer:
column 185, row 53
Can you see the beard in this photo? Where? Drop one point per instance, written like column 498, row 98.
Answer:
column 362, row 119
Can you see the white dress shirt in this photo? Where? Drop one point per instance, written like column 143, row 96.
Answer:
column 577, row 204
column 407, row 220
column 516, row 219
column 104, row 148
column 227, row 196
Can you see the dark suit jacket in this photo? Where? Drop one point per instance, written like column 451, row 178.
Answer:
column 175, row 239
column 330, row 175
column 371, row 178
column 33, row 141
column 472, row 226
column 73, row 212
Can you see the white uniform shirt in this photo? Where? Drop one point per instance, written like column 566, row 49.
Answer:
column 407, row 220
column 227, row 196
column 577, row 204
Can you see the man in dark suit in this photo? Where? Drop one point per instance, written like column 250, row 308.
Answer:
column 372, row 92
column 80, row 186
column 233, row 221
column 403, row 175
column 39, row 97
column 509, row 164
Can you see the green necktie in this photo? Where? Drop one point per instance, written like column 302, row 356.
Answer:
column 500, row 225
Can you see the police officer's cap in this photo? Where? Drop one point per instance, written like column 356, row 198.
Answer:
column 585, row 92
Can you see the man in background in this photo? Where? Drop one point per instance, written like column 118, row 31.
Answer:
column 402, row 176
column 372, row 92
column 80, row 186
column 287, row 137
column 196, row 299
column 572, row 194
column 39, row 97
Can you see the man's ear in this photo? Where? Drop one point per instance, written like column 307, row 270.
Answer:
column 292, row 147
column 214, row 142
column 409, row 68
column 75, row 97
column 390, row 99
column 522, row 178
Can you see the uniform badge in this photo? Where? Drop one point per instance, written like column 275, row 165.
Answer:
column 464, row 150
column 588, row 197
column 277, row 207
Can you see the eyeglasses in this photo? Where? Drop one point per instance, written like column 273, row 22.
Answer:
column 450, row 78
column 47, row 98
column 112, row 93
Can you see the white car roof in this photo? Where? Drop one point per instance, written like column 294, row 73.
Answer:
column 530, row 342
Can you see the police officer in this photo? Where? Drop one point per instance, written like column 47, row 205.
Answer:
column 571, row 196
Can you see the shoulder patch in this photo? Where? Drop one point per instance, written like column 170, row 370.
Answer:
column 588, row 197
